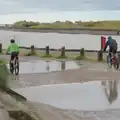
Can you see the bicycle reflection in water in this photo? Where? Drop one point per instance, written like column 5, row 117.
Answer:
column 15, row 77
column 111, row 90
column 63, row 65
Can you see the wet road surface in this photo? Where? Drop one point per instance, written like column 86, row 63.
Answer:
column 42, row 66
column 90, row 96
column 89, row 91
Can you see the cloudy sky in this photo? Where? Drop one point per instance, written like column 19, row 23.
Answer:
column 52, row 10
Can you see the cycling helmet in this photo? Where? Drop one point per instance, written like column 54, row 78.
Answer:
column 12, row 41
column 109, row 38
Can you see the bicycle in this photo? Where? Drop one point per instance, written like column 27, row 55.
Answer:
column 113, row 61
column 14, row 66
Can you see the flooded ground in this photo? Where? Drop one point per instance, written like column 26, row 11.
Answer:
column 97, row 95
column 68, row 94
column 42, row 66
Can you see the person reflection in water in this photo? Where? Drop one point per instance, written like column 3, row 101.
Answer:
column 47, row 66
column 15, row 77
column 63, row 66
column 110, row 88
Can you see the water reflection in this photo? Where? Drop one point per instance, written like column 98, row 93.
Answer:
column 33, row 66
column 14, row 77
column 111, row 91
column 63, row 65
column 47, row 66
column 95, row 95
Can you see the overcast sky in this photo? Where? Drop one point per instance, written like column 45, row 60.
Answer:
column 52, row 10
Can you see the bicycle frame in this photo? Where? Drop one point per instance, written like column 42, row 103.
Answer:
column 14, row 66
column 113, row 57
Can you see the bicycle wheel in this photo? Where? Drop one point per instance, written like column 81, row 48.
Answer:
column 109, row 61
column 16, row 67
column 116, row 64
column 11, row 67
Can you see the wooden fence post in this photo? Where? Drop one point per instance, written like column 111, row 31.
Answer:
column 100, row 55
column 82, row 52
column 47, row 50
column 63, row 52
column 32, row 49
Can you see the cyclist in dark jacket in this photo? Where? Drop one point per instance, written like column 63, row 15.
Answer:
column 112, row 45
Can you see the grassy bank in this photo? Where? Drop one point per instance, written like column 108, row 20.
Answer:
column 3, row 74
column 2, row 62
column 104, row 25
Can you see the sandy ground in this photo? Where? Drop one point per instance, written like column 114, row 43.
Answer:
column 50, row 113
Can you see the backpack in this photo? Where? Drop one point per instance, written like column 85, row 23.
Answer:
column 114, row 44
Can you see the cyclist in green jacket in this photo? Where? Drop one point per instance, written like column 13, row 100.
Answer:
column 13, row 49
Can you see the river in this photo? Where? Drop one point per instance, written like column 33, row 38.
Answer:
column 54, row 40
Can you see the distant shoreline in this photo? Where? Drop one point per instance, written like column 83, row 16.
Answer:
column 66, row 31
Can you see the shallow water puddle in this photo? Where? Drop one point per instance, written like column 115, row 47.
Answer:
column 47, row 66
column 80, row 96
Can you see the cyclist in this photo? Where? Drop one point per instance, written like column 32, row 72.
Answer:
column 112, row 46
column 13, row 49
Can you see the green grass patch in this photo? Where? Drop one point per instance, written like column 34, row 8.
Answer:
column 3, row 62
column 31, row 54
column 47, row 56
column 103, row 61
column 81, row 58
column 3, row 75
column 85, row 58
column 62, row 57
column 92, row 57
